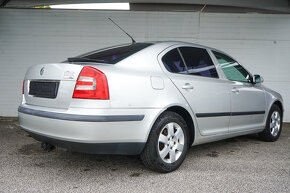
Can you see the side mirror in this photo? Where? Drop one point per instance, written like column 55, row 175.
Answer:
column 257, row 79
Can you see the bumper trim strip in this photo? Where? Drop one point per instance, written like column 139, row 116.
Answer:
column 84, row 118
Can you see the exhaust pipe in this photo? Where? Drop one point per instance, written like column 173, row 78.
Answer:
column 47, row 146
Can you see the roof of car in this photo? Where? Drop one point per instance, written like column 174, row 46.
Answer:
column 172, row 42
column 165, row 44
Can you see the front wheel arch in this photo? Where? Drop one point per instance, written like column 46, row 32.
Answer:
column 266, row 134
column 279, row 104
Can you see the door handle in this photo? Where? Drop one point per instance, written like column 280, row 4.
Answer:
column 235, row 90
column 187, row 86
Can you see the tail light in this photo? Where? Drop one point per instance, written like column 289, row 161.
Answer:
column 23, row 86
column 91, row 84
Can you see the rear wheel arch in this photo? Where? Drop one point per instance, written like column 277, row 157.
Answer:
column 165, row 151
column 187, row 118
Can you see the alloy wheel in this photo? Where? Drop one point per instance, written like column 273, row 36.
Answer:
column 171, row 142
column 275, row 123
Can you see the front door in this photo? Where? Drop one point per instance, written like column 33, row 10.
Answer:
column 247, row 99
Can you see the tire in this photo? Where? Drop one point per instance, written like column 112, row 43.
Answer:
column 273, row 127
column 168, row 133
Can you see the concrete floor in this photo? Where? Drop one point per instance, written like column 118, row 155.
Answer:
column 242, row 164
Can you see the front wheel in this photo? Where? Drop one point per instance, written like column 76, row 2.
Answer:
column 273, row 127
column 167, row 143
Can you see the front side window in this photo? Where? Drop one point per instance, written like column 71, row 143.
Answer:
column 232, row 69
column 173, row 62
column 198, row 62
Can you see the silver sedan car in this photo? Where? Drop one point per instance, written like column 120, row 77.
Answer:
column 155, row 99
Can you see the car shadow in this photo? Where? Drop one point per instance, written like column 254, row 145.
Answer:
column 226, row 146
column 64, row 161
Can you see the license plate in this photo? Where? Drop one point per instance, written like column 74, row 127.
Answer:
column 44, row 89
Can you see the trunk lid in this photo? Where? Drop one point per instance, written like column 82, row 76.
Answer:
column 51, row 85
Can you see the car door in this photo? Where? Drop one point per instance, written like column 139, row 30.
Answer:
column 247, row 99
column 194, row 74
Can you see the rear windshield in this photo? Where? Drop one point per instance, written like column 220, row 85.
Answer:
column 116, row 54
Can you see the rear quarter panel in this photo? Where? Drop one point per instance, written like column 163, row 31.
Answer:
column 130, row 82
column 131, row 87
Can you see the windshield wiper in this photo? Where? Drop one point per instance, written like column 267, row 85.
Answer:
column 79, row 59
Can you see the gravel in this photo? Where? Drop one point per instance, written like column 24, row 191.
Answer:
column 241, row 164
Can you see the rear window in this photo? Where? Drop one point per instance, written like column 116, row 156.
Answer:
column 173, row 62
column 116, row 54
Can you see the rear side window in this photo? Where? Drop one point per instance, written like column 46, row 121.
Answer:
column 114, row 55
column 173, row 62
column 198, row 62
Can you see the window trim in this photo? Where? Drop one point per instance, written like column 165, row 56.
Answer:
column 182, row 59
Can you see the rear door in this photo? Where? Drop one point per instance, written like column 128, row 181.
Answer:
column 247, row 99
column 192, row 71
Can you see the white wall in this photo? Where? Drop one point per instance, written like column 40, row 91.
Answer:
column 27, row 37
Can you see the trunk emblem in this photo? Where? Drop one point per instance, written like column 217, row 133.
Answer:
column 41, row 71
column 68, row 75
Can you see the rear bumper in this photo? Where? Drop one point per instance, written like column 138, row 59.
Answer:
column 98, row 131
column 131, row 148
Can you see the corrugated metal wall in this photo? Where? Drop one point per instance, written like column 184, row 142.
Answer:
column 27, row 37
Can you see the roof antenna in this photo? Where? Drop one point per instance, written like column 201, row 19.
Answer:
column 133, row 41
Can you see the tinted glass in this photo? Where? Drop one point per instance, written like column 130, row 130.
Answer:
column 232, row 69
column 114, row 55
column 198, row 62
column 173, row 62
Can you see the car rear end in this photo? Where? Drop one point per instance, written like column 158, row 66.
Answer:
column 73, row 105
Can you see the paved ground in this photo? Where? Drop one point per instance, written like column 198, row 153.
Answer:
column 242, row 164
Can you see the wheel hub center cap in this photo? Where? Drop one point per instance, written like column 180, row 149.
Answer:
column 171, row 143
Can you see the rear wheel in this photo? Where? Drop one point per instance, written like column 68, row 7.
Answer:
column 273, row 126
column 167, row 143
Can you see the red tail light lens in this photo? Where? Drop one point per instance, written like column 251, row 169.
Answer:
column 91, row 84
column 23, row 86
